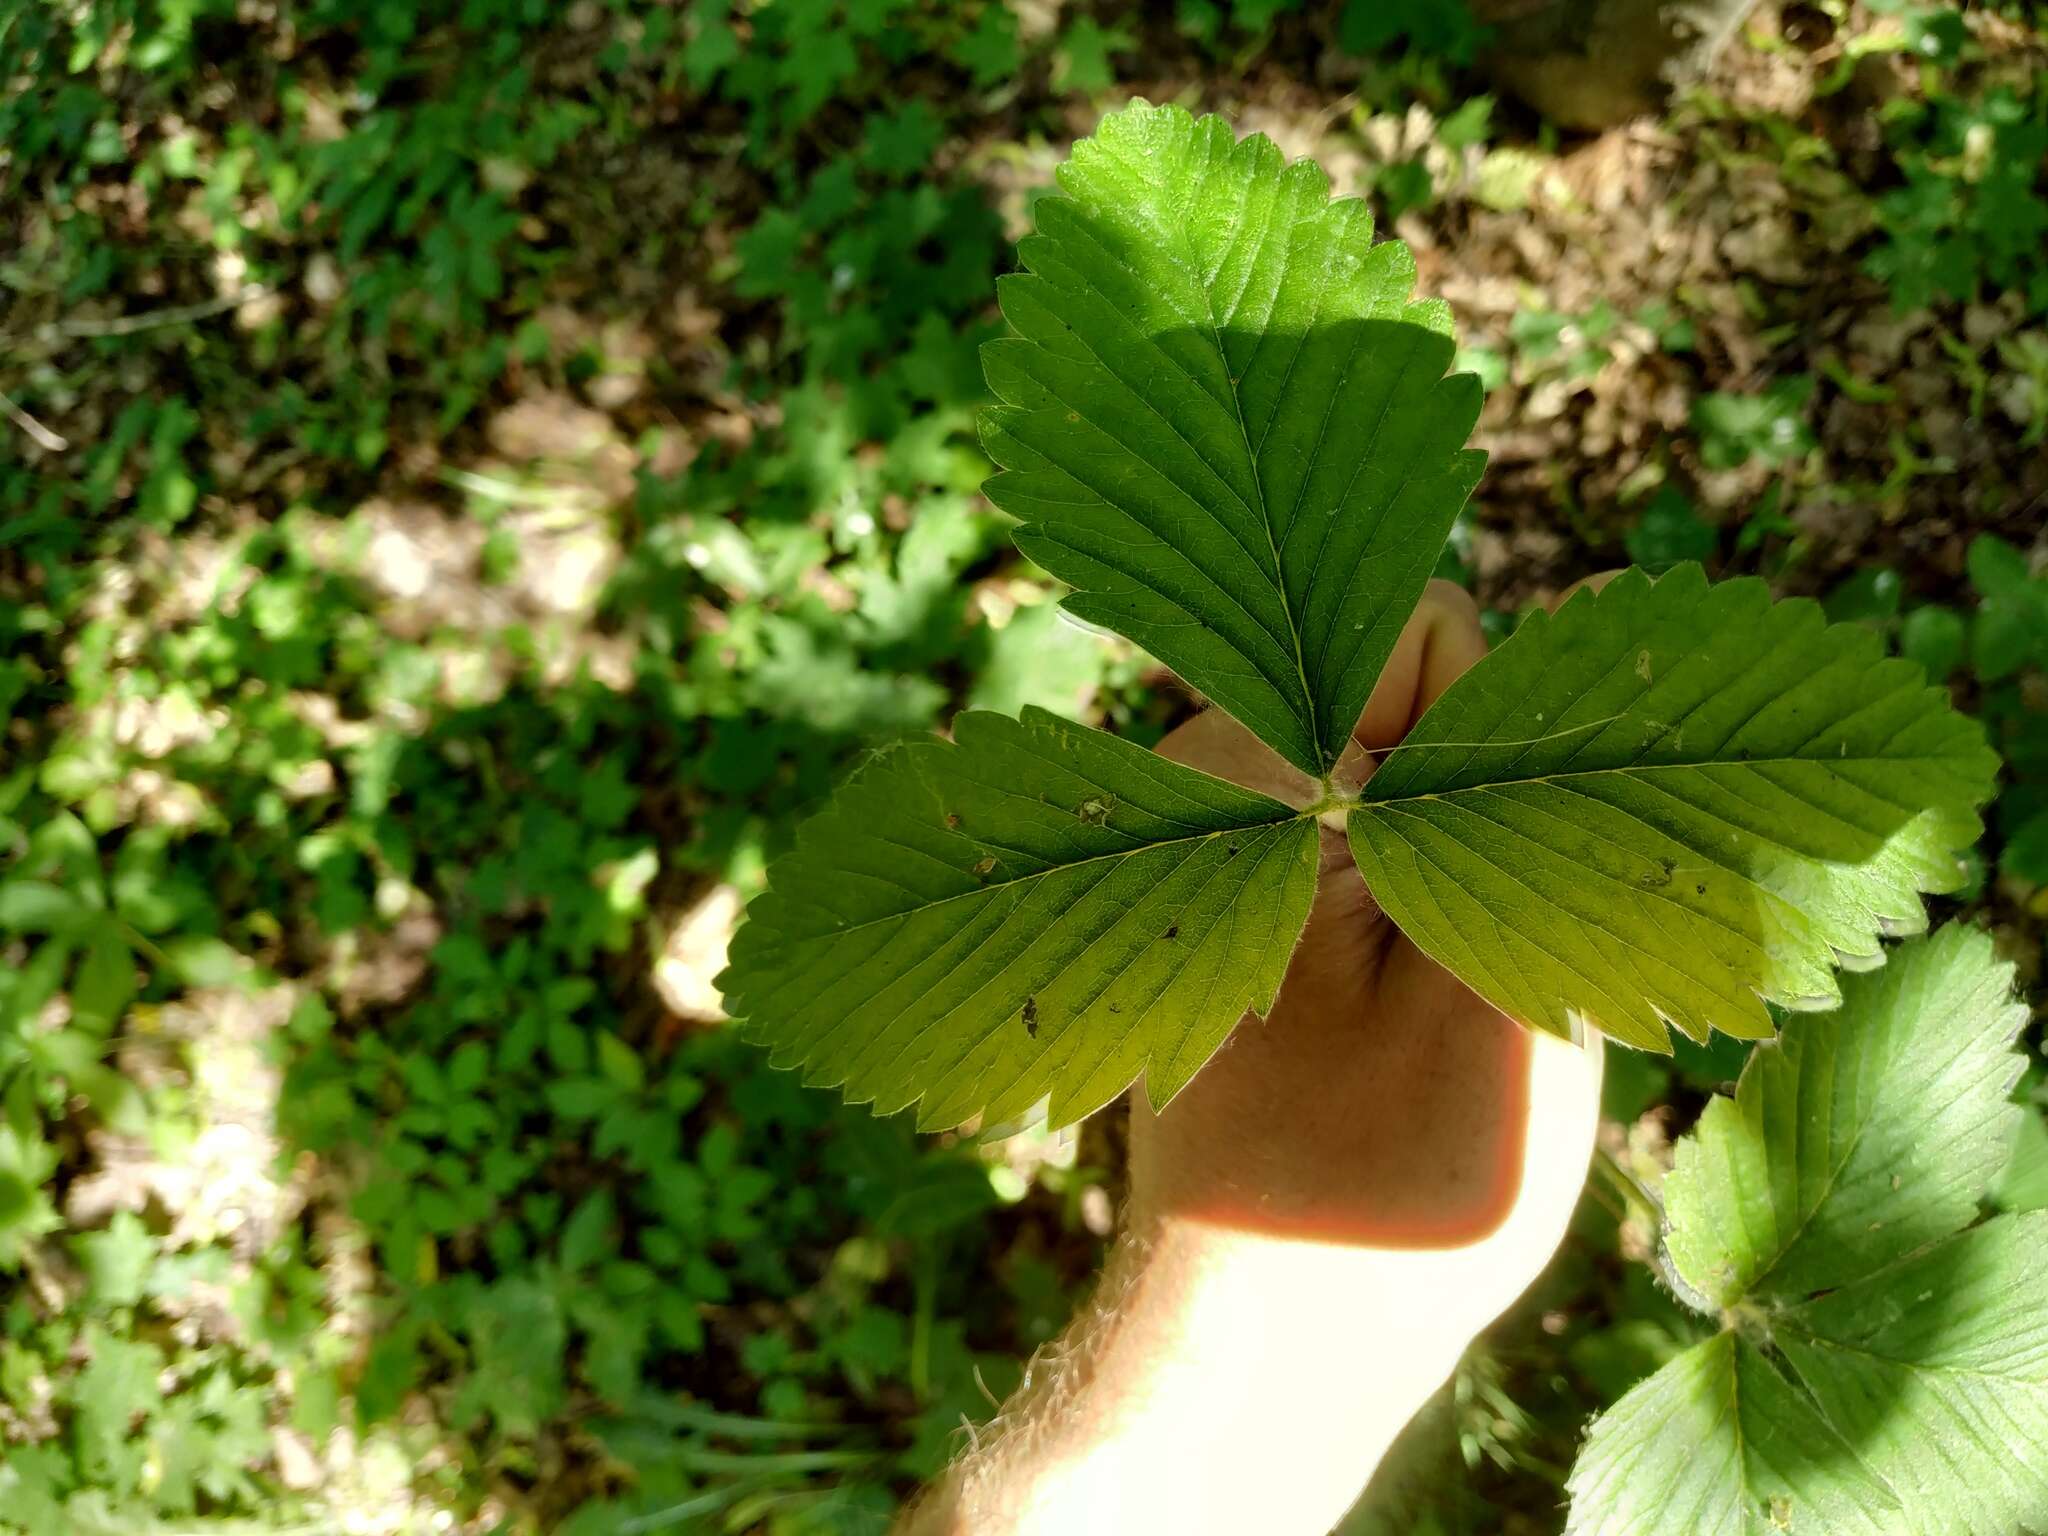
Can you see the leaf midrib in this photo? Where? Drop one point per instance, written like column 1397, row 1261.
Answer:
column 1911, row 1367
column 1052, row 869
column 1310, row 721
column 1735, row 1424
column 1368, row 800
column 1807, row 1217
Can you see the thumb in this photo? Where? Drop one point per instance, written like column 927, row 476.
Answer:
column 1442, row 638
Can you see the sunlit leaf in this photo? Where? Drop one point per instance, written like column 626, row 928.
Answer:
column 1839, row 1156
column 1670, row 802
column 1937, row 1369
column 1719, row 1442
column 1872, row 1355
column 1224, row 421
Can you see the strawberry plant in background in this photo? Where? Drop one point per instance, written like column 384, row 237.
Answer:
column 1881, row 1359
column 1972, row 216
column 702, row 1190
column 2008, row 646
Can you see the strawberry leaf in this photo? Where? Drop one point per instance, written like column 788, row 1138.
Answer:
column 1032, row 910
column 1672, row 802
column 1883, row 1365
column 1224, row 421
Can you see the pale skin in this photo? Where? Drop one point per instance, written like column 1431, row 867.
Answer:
column 1318, row 1225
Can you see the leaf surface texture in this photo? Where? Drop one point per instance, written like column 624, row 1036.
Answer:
column 1825, row 1213
column 1838, row 1156
column 1670, row 802
column 1224, row 422
column 1719, row 1443
column 1033, row 910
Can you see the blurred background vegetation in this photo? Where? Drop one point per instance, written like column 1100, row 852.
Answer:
column 474, row 471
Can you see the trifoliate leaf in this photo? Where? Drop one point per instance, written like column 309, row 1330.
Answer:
column 1084, row 53
column 1837, row 1157
column 1033, row 909
column 1669, row 802
column 1224, row 422
column 989, row 52
column 1719, row 1442
column 117, row 1386
column 1816, row 1215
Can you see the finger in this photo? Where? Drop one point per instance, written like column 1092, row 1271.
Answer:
column 1455, row 642
column 1216, row 743
column 1441, row 640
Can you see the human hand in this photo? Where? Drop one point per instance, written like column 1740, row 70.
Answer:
column 1319, row 1223
column 1382, row 1104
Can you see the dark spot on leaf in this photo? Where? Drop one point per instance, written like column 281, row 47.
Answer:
column 1031, row 1017
column 1113, row 1008
column 952, row 820
column 1230, row 851
column 1699, row 890
column 1172, row 932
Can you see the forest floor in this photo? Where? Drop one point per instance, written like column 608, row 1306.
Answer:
column 461, row 696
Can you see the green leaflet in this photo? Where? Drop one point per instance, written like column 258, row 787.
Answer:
column 2023, row 1183
column 1224, row 422
column 1838, row 1157
column 1033, row 909
column 1667, row 803
column 1719, row 1443
column 1937, row 1369
column 1912, row 1365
